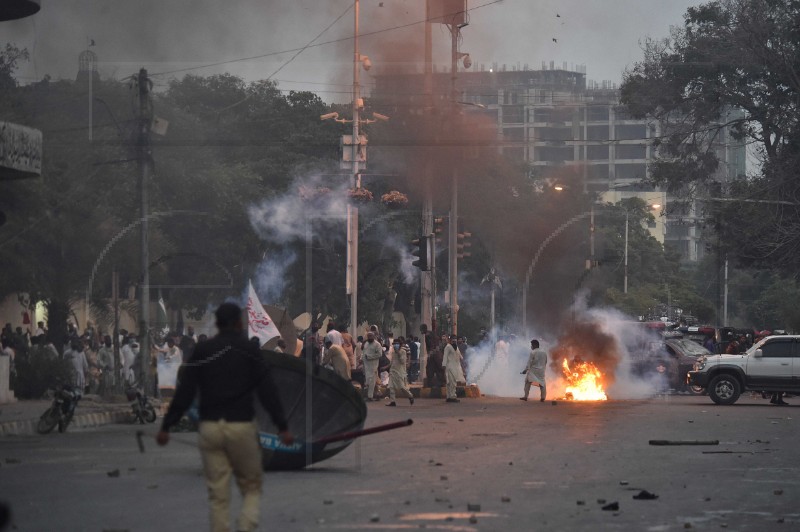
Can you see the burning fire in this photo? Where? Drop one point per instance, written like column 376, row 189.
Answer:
column 584, row 382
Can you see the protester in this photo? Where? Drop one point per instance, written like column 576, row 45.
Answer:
column 534, row 373
column 80, row 366
column 187, row 344
column 372, row 352
column 451, row 362
column 311, row 345
column 228, row 437
column 398, row 372
column 333, row 334
column 105, row 361
column 336, row 358
column 128, row 359
column 349, row 348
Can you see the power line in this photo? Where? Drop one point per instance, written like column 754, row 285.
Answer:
column 333, row 41
column 300, row 51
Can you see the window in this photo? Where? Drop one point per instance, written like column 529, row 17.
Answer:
column 513, row 114
column 551, row 134
column 554, row 154
column 514, row 133
column 542, row 114
column 596, row 113
column 597, row 153
column 598, row 171
column 597, row 133
column 631, row 171
column 634, row 132
column 631, row 151
column 781, row 348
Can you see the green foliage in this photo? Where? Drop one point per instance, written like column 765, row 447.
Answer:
column 733, row 63
column 38, row 371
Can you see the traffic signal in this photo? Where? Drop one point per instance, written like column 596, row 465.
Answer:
column 421, row 252
column 463, row 243
column 438, row 230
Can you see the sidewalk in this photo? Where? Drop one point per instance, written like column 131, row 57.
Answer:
column 20, row 418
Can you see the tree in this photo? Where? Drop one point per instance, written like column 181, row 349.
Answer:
column 733, row 63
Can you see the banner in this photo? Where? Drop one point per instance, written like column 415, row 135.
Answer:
column 259, row 324
column 167, row 370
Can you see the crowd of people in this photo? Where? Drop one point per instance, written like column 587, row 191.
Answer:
column 384, row 365
column 97, row 367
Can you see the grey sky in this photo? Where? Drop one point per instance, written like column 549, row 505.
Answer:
column 165, row 35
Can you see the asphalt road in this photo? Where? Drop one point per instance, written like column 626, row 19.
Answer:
column 544, row 459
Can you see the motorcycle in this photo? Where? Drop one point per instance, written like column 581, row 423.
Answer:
column 143, row 409
column 60, row 413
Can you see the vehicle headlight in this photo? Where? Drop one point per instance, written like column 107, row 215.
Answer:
column 700, row 364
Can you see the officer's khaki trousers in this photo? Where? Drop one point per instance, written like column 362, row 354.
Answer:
column 231, row 447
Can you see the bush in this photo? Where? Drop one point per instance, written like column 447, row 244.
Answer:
column 38, row 371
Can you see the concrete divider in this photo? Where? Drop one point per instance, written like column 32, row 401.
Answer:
column 27, row 427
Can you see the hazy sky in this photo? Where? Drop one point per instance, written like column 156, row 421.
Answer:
column 165, row 35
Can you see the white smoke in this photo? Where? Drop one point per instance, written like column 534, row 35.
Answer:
column 501, row 376
column 288, row 216
column 270, row 276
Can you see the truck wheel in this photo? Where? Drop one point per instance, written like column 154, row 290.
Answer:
column 724, row 389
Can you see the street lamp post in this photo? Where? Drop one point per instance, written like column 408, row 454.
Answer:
column 352, row 210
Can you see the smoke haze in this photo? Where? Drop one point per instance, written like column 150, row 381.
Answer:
column 164, row 36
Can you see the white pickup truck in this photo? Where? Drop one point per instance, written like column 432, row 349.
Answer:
column 771, row 365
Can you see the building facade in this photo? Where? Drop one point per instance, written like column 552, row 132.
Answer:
column 566, row 127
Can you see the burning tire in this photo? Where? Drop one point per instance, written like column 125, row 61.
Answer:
column 696, row 390
column 724, row 389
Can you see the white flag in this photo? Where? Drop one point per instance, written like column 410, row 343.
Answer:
column 259, row 323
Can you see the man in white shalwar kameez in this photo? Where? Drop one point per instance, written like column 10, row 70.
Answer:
column 534, row 373
column 451, row 362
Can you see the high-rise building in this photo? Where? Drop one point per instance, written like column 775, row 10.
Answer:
column 566, row 126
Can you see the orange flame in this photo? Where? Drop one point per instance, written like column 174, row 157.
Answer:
column 584, row 382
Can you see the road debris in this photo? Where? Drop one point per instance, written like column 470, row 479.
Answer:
column 645, row 495
column 684, row 442
column 374, row 518
column 778, row 492
column 505, row 499
column 611, row 507
column 113, row 474
column 473, row 507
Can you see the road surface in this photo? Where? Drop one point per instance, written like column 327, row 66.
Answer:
column 530, row 466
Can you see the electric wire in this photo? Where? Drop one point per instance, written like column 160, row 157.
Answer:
column 333, row 41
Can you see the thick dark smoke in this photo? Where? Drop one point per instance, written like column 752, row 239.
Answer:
column 585, row 339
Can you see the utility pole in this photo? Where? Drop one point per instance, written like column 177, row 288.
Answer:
column 352, row 210
column 145, row 157
column 453, row 233
column 427, row 289
column 625, row 284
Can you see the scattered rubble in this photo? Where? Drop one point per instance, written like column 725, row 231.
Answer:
column 645, row 495
column 113, row 474
column 611, row 507
column 684, row 442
